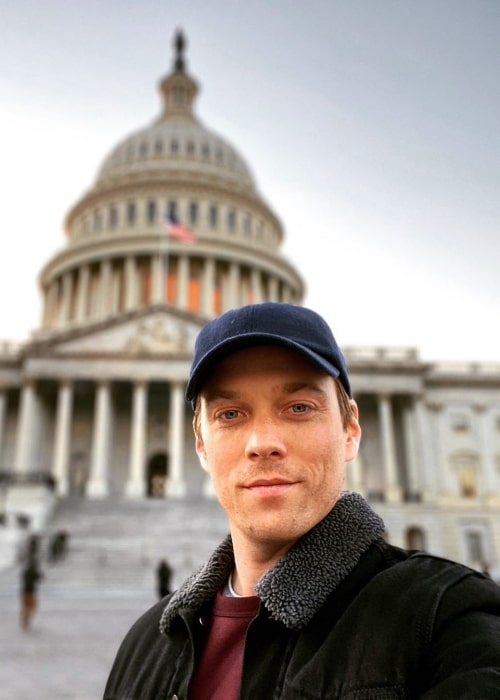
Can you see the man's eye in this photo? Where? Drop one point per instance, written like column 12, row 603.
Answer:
column 299, row 408
column 230, row 414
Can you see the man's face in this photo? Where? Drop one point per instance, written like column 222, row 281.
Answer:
column 271, row 437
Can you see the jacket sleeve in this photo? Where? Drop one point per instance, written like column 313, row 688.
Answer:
column 463, row 655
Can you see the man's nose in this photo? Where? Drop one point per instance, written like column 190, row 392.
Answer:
column 265, row 440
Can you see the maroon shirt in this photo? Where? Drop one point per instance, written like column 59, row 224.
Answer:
column 219, row 672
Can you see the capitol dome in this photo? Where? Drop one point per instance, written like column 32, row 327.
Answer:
column 177, row 140
column 119, row 257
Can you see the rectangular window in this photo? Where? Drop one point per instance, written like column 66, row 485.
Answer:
column 131, row 213
column 151, row 212
column 460, row 422
column 113, row 217
column 193, row 213
column 172, row 210
column 97, row 221
column 212, row 216
column 247, row 226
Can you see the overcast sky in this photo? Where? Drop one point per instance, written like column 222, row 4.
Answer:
column 371, row 127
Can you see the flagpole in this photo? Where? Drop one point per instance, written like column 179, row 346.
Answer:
column 173, row 227
column 162, row 277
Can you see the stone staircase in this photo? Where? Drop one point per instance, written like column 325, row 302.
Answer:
column 114, row 545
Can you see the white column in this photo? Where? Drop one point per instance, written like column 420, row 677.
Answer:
column 60, row 464
column 51, row 304
column 82, row 294
column 177, row 485
column 426, row 469
column 182, row 281
column 355, row 474
column 485, row 430
column 98, row 481
column 412, row 444
column 208, row 283
column 104, row 288
column 256, row 281
column 135, row 486
column 444, row 482
column 67, row 286
column 114, row 293
column 158, row 277
column 234, row 285
column 273, row 289
column 131, row 284
column 26, row 429
column 3, row 409
column 392, row 489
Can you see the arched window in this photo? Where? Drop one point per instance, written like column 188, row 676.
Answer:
column 157, row 473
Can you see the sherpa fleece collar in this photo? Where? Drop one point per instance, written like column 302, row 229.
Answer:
column 294, row 589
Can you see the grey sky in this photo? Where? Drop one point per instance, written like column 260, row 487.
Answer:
column 371, row 127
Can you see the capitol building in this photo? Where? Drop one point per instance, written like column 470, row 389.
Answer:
column 92, row 405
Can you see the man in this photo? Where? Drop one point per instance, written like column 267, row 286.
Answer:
column 163, row 576
column 304, row 599
column 30, row 578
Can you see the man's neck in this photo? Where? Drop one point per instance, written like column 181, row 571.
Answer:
column 252, row 560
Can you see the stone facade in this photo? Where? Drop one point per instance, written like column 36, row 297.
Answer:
column 92, row 405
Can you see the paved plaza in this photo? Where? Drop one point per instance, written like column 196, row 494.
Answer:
column 68, row 652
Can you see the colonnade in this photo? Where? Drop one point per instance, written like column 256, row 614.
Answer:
column 97, row 290
column 413, row 456
column 406, row 481
column 97, row 486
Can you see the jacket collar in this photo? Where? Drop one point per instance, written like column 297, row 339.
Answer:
column 294, row 589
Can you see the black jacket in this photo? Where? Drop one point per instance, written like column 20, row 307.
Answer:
column 343, row 615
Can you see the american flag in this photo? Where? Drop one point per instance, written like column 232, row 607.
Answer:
column 173, row 227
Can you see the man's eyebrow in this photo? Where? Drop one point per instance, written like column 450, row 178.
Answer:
column 220, row 394
column 217, row 394
column 293, row 387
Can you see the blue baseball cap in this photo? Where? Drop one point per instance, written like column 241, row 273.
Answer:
column 270, row 323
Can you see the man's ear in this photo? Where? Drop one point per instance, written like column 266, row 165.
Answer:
column 202, row 455
column 353, row 434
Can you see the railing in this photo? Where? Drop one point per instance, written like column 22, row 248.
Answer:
column 10, row 348
column 380, row 354
column 462, row 368
column 32, row 478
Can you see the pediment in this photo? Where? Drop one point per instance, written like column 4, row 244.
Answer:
column 155, row 333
